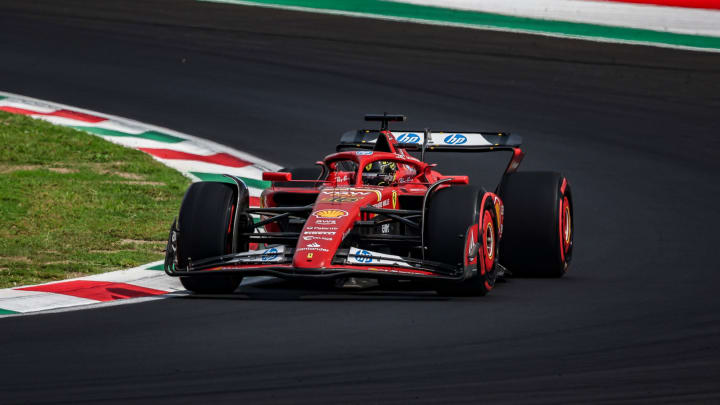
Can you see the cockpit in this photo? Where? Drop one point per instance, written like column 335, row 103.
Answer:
column 379, row 173
column 373, row 172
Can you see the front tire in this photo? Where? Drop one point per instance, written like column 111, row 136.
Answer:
column 205, row 227
column 462, row 231
column 538, row 227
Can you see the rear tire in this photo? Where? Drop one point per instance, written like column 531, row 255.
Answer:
column 538, row 226
column 203, row 227
column 455, row 222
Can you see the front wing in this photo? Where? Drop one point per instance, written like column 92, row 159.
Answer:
column 277, row 262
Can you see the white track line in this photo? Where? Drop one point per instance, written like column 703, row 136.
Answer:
column 690, row 21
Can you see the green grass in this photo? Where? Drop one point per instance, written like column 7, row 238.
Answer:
column 73, row 204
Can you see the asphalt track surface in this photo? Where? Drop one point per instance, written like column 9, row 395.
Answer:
column 635, row 129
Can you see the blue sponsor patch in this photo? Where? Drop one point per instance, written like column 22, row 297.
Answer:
column 269, row 255
column 409, row 138
column 363, row 256
column 363, row 152
column 455, row 139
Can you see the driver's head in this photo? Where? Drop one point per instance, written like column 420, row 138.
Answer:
column 380, row 173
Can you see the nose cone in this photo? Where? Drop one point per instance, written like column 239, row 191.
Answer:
column 322, row 234
column 336, row 210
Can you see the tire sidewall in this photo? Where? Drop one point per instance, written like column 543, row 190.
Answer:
column 207, row 220
column 533, row 242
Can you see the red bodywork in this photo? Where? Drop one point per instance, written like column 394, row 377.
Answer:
column 340, row 204
column 340, row 199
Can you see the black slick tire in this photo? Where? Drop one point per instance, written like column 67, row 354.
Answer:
column 538, row 227
column 453, row 213
column 205, row 217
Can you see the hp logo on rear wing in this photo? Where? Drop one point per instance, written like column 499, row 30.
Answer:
column 455, row 139
column 408, row 138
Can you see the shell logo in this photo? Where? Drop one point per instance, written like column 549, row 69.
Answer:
column 330, row 214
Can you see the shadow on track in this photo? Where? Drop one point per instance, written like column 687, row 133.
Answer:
column 291, row 290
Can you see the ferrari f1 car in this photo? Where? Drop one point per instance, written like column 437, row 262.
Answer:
column 373, row 210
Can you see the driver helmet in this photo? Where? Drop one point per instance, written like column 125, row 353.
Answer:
column 380, row 173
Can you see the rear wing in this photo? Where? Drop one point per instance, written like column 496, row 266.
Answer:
column 438, row 141
column 441, row 141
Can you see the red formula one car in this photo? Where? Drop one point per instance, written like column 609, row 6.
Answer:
column 374, row 211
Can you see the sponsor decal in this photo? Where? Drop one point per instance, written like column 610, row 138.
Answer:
column 392, row 201
column 346, row 192
column 385, row 228
column 363, row 256
column 313, row 249
column 316, row 238
column 319, row 233
column 321, row 228
column 326, row 222
column 269, row 255
column 338, row 199
column 455, row 139
column 351, row 192
column 314, row 245
column 309, row 256
column 379, row 194
column 342, row 179
column 363, row 152
column 330, row 213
